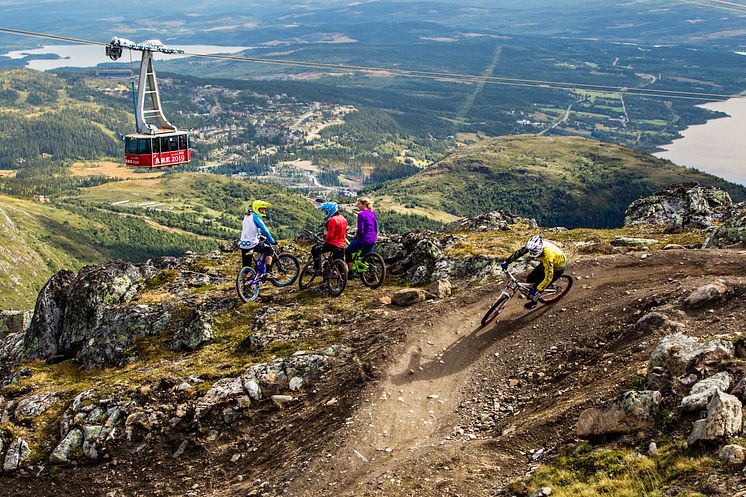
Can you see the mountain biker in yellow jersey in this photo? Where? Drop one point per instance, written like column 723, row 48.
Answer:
column 553, row 263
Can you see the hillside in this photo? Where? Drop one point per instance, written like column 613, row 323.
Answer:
column 559, row 181
column 160, row 369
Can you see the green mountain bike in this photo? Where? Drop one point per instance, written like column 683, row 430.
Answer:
column 371, row 268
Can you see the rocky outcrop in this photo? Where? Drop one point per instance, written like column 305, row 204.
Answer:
column 687, row 205
column 425, row 257
column 732, row 233
column 492, row 221
column 229, row 398
column 72, row 308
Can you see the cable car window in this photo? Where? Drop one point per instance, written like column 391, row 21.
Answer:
column 173, row 144
column 164, row 145
column 182, row 142
column 143, row 145
column 156, row 146
column 130, row 145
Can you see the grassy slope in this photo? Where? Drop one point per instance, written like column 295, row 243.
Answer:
column 566, row 181
column 37, row 240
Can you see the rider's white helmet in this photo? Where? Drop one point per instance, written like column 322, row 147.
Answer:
column 535, row 246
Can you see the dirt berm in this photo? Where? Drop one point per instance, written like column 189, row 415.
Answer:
column 430, row 403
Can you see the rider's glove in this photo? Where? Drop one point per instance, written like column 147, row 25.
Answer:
column 504, row 265
column 534, row 294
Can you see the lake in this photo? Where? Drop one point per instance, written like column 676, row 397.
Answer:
column 718, row 146
column 91, row 56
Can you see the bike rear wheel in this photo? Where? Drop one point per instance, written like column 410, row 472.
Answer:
column 307, row 275
column 336, row 278
column 375, row 273
column 495, row 309
column 563, row 285
column 247, row 284
column 285, row 270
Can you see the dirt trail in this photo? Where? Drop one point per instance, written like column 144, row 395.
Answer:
column 400, row 439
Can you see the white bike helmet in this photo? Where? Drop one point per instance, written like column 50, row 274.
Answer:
column 535, row 246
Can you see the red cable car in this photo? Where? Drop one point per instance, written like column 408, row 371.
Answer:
column 161, row 150
column 157, row 142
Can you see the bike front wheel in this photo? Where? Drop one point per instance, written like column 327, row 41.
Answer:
column 285, row 270
column 495, row 309
column 307, row 275
column 247, row 284
column 375, row 272
column 336, row 278
column 560, row 289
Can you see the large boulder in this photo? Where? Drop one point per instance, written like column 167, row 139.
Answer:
column 70, row 308
column 629, row 412
column 732, row 232
column 724, row 419
column 680, row 206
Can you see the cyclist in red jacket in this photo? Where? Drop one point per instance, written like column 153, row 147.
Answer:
column 336, row 233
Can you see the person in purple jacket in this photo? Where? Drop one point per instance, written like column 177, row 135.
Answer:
column 367, row 231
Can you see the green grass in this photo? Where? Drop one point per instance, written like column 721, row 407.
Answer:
column 618, row 473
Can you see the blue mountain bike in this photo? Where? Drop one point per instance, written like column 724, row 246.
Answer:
column 285, row 271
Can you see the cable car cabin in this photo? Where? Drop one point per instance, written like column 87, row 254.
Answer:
column 161, row 150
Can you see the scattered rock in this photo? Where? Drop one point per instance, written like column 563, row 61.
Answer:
column 65, row 452
column 724, row 419
column 18, row 452
column 674, row 246
column 732, row 454
column 702, row 391
column 655, row 321
column 408, row 296
column 282, row 399
column 624, row 414
column 637, row 243
column 441, row 288
column 35, row 405
column 542, row 492
column 707, row 295
column 180, row 450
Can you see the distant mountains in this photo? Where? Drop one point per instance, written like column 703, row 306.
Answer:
column 559, row 181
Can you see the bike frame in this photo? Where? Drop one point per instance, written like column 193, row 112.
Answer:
column 525, row 288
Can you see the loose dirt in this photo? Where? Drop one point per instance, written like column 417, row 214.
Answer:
column 431, row 404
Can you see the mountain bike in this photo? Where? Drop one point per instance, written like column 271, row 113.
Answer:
column 284, row 273
column 333, row 272
column 371, row 268
column 552, row 293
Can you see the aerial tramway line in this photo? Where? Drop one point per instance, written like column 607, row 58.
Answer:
column 156, row 142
